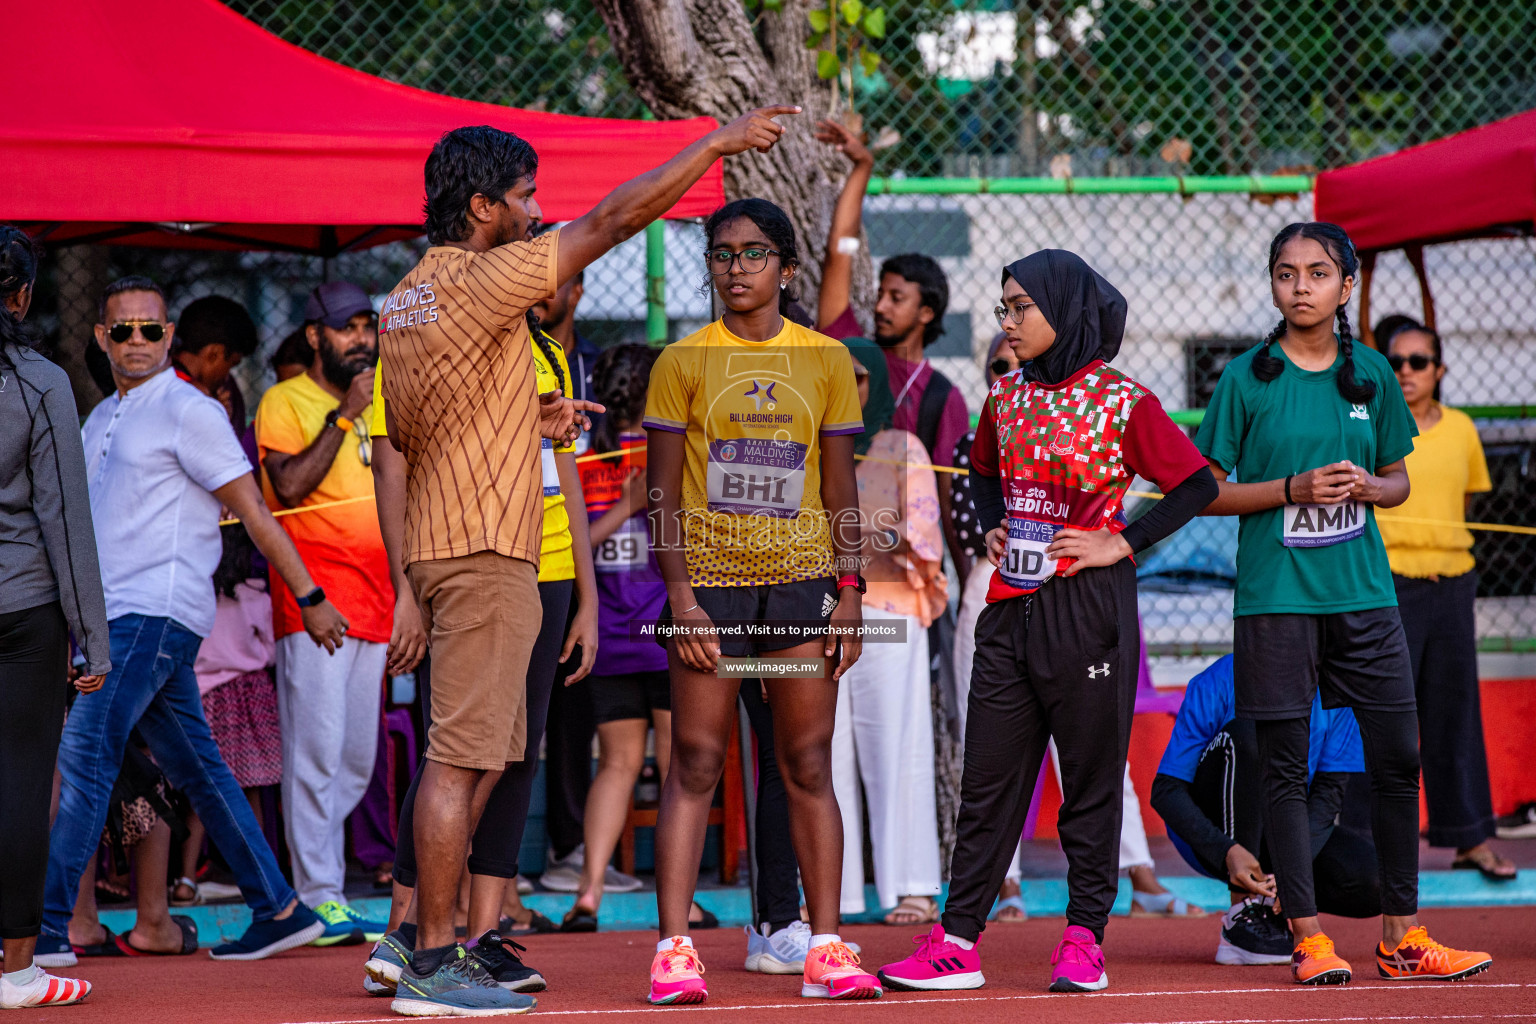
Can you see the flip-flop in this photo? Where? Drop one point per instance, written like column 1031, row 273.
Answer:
column 579, row 920
column 924, row 910
column 1017, row 903
column 1163, row 904
column 537, row 924
column 706, row 922
column 1471, row 864
column 106, row 947
column 188, row 940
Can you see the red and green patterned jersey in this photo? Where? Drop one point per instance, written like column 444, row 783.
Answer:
column 1066, row 456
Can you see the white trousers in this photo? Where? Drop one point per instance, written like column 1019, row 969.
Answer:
column 1134, row 851
column 883, row 734
column 328, row 706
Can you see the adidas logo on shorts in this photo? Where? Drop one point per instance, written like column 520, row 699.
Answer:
column 828, row 603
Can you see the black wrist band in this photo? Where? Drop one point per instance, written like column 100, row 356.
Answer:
column 1288, row 488
column 310, row 599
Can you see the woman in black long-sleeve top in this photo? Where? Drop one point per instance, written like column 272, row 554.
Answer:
column 50, row 588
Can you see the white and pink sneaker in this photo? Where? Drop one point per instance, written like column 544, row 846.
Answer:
column 936, row 965
column 1078, row 963
column 43, row 990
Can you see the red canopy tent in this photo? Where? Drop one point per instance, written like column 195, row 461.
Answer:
column 178, row 122
column 1478, row 183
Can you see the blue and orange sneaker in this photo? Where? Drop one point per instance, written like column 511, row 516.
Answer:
column 832, row 972
column 1420, row 958
column 936, row 965
column 677, row 975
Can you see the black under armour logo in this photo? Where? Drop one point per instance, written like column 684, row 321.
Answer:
column 1094, row 671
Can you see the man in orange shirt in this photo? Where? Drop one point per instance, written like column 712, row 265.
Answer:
column 312, row 436
column 464, row 410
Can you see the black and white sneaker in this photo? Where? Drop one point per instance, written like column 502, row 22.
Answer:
column 1252, row 933
column 499, row 956
column 1518, row 824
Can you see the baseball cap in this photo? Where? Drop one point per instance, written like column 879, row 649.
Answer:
column 336, row 302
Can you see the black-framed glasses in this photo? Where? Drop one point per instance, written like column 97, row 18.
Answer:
column 752, row 260
column 1000, row 367
column 1014, row 311
column 1418, row 360
column 149, row 330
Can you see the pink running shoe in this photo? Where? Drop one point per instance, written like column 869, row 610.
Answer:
column 936, row 965
column 832, row 972
column 1078, row 963
column 677, row 976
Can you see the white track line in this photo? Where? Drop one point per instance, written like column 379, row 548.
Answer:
column 814, row 1004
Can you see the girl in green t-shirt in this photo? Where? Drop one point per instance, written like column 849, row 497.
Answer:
column 1315, row 431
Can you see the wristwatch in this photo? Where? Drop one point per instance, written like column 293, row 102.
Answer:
column 334, row 418
column 853, row 580
column 310, row 599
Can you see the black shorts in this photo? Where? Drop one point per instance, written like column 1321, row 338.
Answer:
column 1359, row 659
column 632, row 695
column 808, row 603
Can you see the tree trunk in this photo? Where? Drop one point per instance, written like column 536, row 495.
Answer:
column 687, row 58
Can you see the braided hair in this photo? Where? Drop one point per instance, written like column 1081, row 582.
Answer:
column 18, row 270
column 542, row 340
column 620, row 378
column 1335, row 242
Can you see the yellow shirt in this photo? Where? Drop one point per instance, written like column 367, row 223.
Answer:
column 1446, row 465
column 753, row 414
column 555, row 559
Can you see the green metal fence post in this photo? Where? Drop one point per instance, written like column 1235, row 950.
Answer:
column 655, row 277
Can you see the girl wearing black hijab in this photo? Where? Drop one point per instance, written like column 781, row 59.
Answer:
column 1057, row 648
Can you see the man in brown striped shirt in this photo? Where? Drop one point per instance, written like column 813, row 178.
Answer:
column 463, row 409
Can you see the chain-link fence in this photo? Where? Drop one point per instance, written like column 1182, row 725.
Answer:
column 1115, row 87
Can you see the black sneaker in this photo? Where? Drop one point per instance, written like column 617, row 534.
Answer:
column 499, row 957
column 1253, row 933
column 1519, row 824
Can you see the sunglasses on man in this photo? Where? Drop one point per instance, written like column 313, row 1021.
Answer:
column 1419, row 361
column 149, row 330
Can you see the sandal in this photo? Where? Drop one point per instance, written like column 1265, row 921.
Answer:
column 579, row 919
column 913, row 910
column 184, row 901
column 1009, row 903
column 1163, row 904
column 1490, row 866
column 537, row 924
column 106, row 947
column 188, row 940
column 384, row 875
column 706, row 919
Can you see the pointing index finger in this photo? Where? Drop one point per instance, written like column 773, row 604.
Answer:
column 777, row 110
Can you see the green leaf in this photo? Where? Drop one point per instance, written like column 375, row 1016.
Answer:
column 874, row 23
column 820, row 20
column 852, row 10
column 826, row 64
column 815, row 40
column 869, row 61
column 776, row 6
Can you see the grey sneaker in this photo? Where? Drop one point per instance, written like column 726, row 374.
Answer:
column 783, row 952
column 389, row 957
column 564, row 874
column 461, row 987
column 615, row 880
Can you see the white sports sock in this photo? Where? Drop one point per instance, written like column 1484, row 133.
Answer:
column 666, row 944
column 957, row 940
column 822, row 940
column 25, row 976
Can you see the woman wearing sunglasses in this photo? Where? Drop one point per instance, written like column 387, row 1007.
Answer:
column 754, row 522
column 1433, row 571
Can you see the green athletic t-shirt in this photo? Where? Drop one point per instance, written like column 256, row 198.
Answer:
column 1311, row 560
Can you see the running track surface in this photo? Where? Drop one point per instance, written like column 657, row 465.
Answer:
column 1161, row 972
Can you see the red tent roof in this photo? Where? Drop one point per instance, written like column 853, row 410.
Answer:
column 1476, row 183
column 141, row 122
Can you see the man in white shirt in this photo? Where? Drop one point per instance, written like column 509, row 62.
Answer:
column 161, row 461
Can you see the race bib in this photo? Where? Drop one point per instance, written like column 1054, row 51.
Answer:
column 1318, row 526
column 548, row 469
column 1025, row 565
column 625, row 549
column 756, row 477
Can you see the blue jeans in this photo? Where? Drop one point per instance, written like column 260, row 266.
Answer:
column 151, row 685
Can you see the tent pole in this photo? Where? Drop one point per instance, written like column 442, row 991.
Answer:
column 1416, row 259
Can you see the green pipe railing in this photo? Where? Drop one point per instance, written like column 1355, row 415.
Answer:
column 1251, row 184
column 1192, row 417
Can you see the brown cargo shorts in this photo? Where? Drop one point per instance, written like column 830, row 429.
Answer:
column 482, row 617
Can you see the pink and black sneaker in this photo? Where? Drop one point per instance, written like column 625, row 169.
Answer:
column 1078, row 963
column 936, row 965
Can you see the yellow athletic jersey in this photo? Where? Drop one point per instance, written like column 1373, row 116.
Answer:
column 555, row 559
column 753, row 413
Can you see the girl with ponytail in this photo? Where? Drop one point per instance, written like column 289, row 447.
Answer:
column 1307, row 434
column 50, row 588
